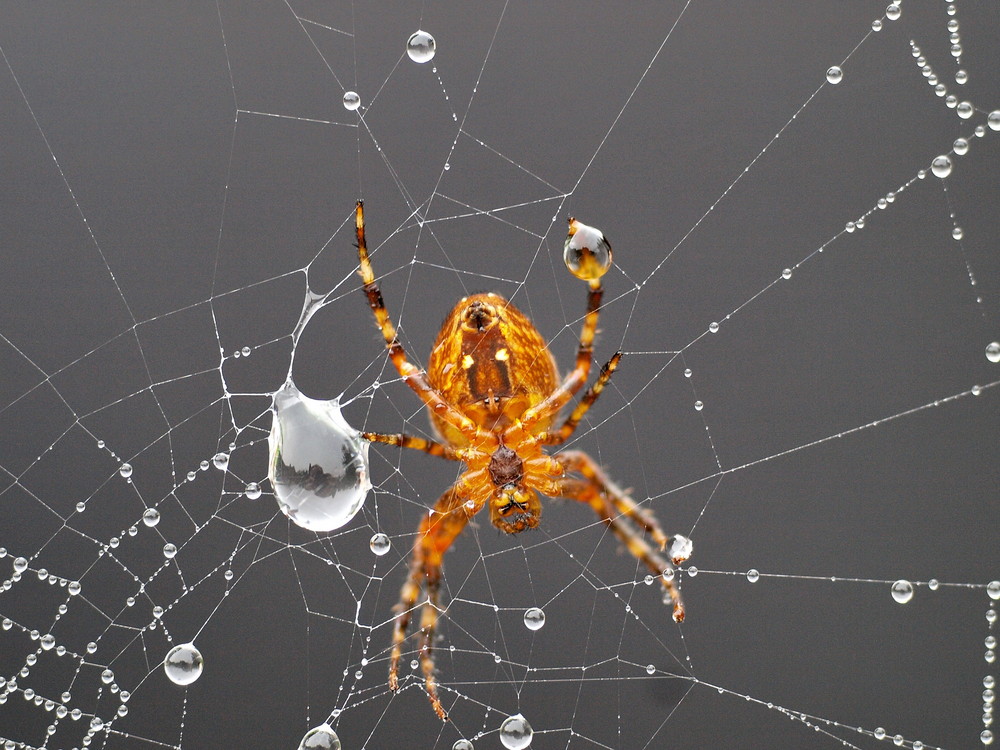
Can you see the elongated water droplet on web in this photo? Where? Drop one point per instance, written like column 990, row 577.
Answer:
column 586, row 252
column 320, row 738
column 183, row 664
column 421, row 47
column 515, row 732
column 318, row 463
column 379, row 544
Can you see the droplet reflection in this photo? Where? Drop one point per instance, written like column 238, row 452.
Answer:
column 318, row 464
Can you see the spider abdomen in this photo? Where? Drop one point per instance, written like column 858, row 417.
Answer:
column 491, row 362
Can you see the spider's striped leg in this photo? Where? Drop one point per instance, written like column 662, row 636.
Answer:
column 402, row 440
column 642, row 517
column 561, row 435
column 410, row 373
column 576, row 377
column 599, row 498
column 438, row 530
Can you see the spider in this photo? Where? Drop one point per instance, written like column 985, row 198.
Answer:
column 493, row 393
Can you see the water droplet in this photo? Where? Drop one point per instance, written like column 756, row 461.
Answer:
column 125, row 470
column 993, row 587
column 447, row 166
column 680, row 549
column 834, row 75
column 961, row 77
column 379, row 543
column 951, row 101
column 421, row 47
column 687, row 372
column 462, row 744
column 960, row 146
column 991, row 616
column 986, row 737
column 892, row 12
column 993, row 355
column 993, row 119
column 534, row 618
column 318, row 464
column 252, row 491
column 151, row 517
column 692, row 571
column 20, row 564
column 787, row 273
column 221, row 461
column 74, row 588
column 107, row 676
column 515, row 732
column 157, row 612
column 228, row 575
column 957, row 233
column 753, row 575
column 956, row 50
column 96, row 724
column 965, row 110
column 351, row 100
column 169, row 550
column 879, row 733
column 586, row 252
column 320, row 738
column 941, row 166
column 698, row 406
column 933, row 584
column 902, row 591
column 877, row 24
column 48, row 641
column 183, row 664
column 898, row 740
column 668, row 576
column 713, row 327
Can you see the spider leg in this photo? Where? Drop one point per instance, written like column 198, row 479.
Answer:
column 438, row 530
column 410, row 373
column 574, row 379
column 614, row 506
column 403, row 440
column 555, row 437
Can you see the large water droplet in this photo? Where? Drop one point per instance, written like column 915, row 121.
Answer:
column 993, row 589
column 835, row 75
column 151, row 517
column 993, row 119
column 221, row 461
column 351, row 100
column 753, row 575
column 941, row 166
column 892, row 12
column 252, row 490
column 421, row 47
column 515, row 732
column 318, row 463
column 534, row 618
column 902, row 591
column 965, row 110
column 183, row 664
column 379, row 544
column 320, row 738
column 125, row 470
column 20, row 564
column 587, row 252
column 993, row 355
column 462, row 744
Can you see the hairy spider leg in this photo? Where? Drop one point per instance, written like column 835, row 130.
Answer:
column 613, row 506
column 555, row 437
column 438, row 530
column 410, row 373
column 574, row 379
column 402, row 440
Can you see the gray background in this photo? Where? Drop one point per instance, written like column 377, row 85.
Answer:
column 173, row 222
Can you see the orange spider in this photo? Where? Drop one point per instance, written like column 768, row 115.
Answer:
column 493, row 391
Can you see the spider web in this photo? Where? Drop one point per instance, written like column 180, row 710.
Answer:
column 804, row 307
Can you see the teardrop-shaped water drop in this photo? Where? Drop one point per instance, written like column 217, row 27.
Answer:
column 320, row 738
column 318, row 463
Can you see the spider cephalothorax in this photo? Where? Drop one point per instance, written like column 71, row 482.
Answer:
column 493, row 393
